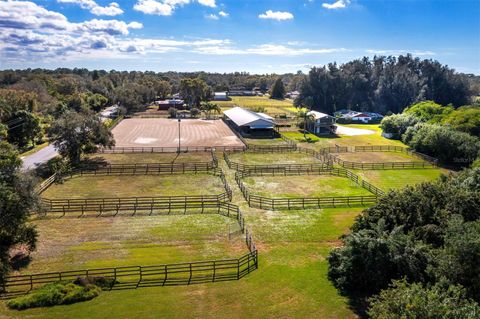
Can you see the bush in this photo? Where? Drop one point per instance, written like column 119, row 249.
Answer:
column 59, row 293
column 398, row 124
column 444, row 143
column 429, row 111
column 403, row 300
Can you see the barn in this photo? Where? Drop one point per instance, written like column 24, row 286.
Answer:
column 249, row 122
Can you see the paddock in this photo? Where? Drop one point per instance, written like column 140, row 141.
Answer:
column 161, row 132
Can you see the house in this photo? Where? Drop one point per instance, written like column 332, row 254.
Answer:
column 164, row 105
column 248, row 121
column 292, row 95
column 221, row 96
column 320, row 123
column 364, row 117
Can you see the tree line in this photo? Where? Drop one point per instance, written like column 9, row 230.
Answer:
column 384, row 85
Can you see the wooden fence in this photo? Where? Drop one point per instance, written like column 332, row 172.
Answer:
column 427, row 161
column 157, row 275
column 183, row 149
column 302, row 203
column 145, row 169
column 278, row 167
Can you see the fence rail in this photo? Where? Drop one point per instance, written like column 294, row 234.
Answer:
column 278, row 167
column 427, row 161
column 183, row 149
column 156, row 275
column 302, row 203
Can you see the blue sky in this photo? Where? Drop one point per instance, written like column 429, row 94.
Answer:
column 257, row 36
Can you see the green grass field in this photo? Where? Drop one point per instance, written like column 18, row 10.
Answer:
column 271, row 106
column 291, row 281
column 395, row 179
column 303, row 186
column 140, row 158
column 107, row 242
column 136, row 186
column 273, row 158
column 377, row 157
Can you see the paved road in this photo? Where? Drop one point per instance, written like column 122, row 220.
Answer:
column 42, row 156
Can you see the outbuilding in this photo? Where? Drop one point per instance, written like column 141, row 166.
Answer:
column 248, row 121
column 320, row 123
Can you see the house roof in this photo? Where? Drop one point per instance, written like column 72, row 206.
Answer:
column 243, row 117
column 318, row 115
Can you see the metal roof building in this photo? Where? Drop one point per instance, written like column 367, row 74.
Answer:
column 248, row 119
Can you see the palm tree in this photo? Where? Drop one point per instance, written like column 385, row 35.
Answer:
column 303, row 114
column 208, row 108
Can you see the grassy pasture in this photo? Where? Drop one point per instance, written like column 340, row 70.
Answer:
column 272, row 107
column 265, row 141
column 251, row 158
column 136, row 186
column 141, row 158
column 377, row 157
column 304, row 186
column 133, row 241
column 396, row 179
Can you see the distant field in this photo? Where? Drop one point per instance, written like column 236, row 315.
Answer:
column 304, row 186
column 273, row 158
column 138, row 158
column 136, row 186
column 272, row 107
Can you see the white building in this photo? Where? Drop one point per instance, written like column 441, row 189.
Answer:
column 321, row 123
column 248, row 120
column 221, row 96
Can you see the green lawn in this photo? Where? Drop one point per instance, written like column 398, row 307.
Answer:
column 265, row 141
column 139, row 158
column 395, row 179
column 273, row 158
column 304, row 186
column 135, row 186
column 299, row 137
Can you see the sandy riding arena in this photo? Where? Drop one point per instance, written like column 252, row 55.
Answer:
column 160, row 132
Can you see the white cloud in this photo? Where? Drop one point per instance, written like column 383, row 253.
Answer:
column 208, row 3
column 223, row 14
column 340, row 4
column 276, row 15
column 167, row 7
column 112, row 9
column 265, row 50
column 212, row 16
column 401, row 52
column 153, row 7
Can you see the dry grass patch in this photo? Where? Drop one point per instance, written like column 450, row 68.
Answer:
column 142, row 158
column 377, row 157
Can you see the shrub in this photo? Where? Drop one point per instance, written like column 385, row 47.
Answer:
column 465, row 119
column 429, row 111
column 403, row 300
column 398, row 124
column 59, row 293
column 444, row 143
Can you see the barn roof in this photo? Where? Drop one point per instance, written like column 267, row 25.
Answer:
column 243, row 117
column 318, row 115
